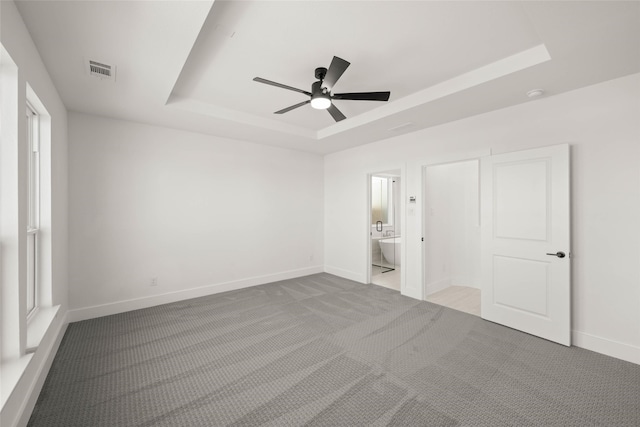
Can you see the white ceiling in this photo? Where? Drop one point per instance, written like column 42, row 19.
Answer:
column 190, row 64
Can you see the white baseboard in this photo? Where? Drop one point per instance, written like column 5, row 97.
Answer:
column 346, row 274
column 18, row 408
column 414, row 293
column 437, row 286
column 101, row 310
column 605, row 346
column 467, row 281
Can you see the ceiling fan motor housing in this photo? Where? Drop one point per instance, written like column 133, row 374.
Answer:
column 317, row 89
column 320, row 73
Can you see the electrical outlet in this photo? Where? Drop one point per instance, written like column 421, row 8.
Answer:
column 310, row 257
column 154, row 281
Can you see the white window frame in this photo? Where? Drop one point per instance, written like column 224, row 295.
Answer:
column 33, row 211
column 390, row 200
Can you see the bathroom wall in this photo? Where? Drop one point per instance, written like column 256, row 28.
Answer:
column 396, row 225
column 452, row 232
column 393, row 229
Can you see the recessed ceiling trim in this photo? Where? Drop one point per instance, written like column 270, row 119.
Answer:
column 189, row 32
column 591, row 42
column 205, row 108
column 511, row 64
column 399, row 127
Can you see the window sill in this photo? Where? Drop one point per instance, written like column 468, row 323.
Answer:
column 12, row 370
column 38, row 326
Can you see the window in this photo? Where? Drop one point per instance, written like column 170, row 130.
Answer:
column 381, row 200
column 33, row 211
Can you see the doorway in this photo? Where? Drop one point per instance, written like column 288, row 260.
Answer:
column 452, row 250
column 516, row 249
column 385, row 239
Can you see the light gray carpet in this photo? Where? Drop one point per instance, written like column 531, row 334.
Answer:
column 322, row 350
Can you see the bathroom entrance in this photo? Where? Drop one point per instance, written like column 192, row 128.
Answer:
column 452, row 235
column 385, row 241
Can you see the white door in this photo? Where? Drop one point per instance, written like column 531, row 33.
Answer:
column 526, row 281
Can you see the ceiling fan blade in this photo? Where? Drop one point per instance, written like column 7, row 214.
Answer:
column 363, row 96
column 293, row 107
column 269, row 82
column 336, row 69
column 335, row 113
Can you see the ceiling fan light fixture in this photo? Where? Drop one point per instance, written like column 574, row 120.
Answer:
column 320, row 102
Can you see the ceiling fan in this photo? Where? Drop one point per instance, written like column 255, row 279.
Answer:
column 321, row 97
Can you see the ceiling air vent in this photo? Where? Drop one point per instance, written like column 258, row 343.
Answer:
column 101, row 70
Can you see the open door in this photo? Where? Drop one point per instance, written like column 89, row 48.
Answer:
column 526, row 268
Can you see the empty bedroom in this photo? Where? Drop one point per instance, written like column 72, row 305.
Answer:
column 304, row 213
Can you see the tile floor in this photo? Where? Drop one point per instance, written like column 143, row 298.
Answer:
column 462, row 298
column 390, row 279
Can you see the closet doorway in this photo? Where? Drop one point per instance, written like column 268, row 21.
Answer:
column 519, row 260
column 452, row 251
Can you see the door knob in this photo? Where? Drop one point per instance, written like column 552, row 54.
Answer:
column 559, row 254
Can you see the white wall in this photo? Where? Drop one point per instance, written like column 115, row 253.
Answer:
column 22, row 66
column 200, row 213
column 464, row 199
column 437, row 229
column 452, row 229
column 601, row 124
